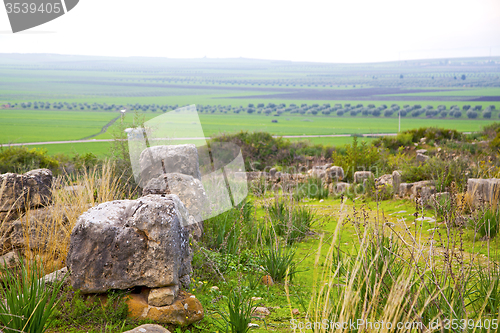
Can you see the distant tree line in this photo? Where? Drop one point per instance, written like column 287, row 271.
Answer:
column 276, row 110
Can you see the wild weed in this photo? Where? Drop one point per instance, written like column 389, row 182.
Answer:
column 226, row 232
column 71, row 196
column 291, row 222
column 278, row 262
column 488, row 222
column 29, row 300
column 313, row 189
column 238, row 314
column 486, row 289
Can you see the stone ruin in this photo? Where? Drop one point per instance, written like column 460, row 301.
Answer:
column 140, row 245
column 144, row 245
column 21, row 192
column 31, row 192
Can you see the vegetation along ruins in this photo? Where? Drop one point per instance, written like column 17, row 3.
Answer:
column 233, row 195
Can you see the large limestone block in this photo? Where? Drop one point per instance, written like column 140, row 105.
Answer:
column 396, row 180
column 126, row 243
column 405, row 189
column 484, row 190
column 190, row 191
column 384, row 180
column 319, row 170
column 38, row 185
column 421, row 188
column 19, row 192
column 338, row 188
column 11, row 192
column 421, row 158
column 158, row 160
column 360, row 176
column 37, row 227
column 334, row 174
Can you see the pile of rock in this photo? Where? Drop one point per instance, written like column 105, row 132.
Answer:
column 143, row 245
column 175, row 170
column 421, row 157
column 140, row 245
column 422, row 189
column 131, row 244
column 330, row 175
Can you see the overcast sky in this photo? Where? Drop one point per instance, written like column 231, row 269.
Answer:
column 320, row 31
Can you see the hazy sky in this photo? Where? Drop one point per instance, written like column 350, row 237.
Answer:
column 325, row 31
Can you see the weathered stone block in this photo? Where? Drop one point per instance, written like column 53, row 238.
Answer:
column 359, row 176
column 158, row 160
column 126, row 243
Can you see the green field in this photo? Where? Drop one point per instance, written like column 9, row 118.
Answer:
column 100, row 149
column 38, row 125
column 235, row 82
column 35, row 126
column 336, row 142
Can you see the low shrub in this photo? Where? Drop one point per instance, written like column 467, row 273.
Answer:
column 358, row 157
column 409, row 137
column 260, row 150
column 23, row 159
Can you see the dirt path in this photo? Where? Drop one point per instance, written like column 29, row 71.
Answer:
column 104, row 128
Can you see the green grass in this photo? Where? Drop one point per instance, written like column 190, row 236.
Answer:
column 460, row 92
column 38, row 125
column 338, row 141
column 321, row 125
column 389, row 211
column 100, row 149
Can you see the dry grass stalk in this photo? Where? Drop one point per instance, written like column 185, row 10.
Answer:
column 70, row 198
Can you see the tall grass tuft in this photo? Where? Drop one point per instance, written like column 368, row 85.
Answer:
column 486, row 295
column 29, row 301
column 488, row 223
column 239, row 312
column 396, row 277
column 227, row 231
column 291, row 221
column 278, row 262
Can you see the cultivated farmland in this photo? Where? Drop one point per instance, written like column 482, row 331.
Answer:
column 57, row 98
